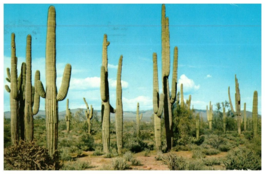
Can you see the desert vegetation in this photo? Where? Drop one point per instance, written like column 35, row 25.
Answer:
column 175, row 138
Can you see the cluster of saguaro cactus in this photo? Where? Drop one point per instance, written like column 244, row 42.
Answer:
column 31, row 107
column 245, row 117
column 138, row 118
column 237, row 113
column 255, row 113
column 209, row 115
column 165, row 56
column 157, row 104
column 197, row 126
column 106, row 108
column 50, row 94
column 89, row 115
column 67, row 116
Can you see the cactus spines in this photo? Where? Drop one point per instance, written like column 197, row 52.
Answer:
column 245, row 117
column 138, row 118
column 157, row 104
column 51, row 96
column 255, row 113
column 67, row 117
column 119, row 108
column 224, row 120
column 209, row 115
column 237, row 113
column 104, row 91
column 89, row 115
column 197, row 126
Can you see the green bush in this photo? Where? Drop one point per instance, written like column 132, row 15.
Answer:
column 135, row 145
column 242, row 159
column 128, row 156
column 147, row 152
column 211, row 161
column 65, row 154
column 198, row 154
column 86, row 142
column 195, row 165
column 198, row 141
column 119, row 164
column 211, row 151
column 175, row 162
column 77, row 166
column 97, row 153
column 135, row 162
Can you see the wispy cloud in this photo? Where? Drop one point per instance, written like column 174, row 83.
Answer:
column 188, row 84
column 208, row 76
column 144, row 103
column 112, row 66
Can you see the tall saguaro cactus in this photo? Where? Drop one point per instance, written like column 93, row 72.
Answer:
column 89, row 115
column 245, row 117
column 210, row 115
column 29, row 112
column 157, row 104
column 67, row 116
column 119, row 108
column 197, row 126
column 182, row 95
column 255, row 113
column 51, row 95
column 104, row 91
column 138, row 118
column 165, row 56
column 237, row 113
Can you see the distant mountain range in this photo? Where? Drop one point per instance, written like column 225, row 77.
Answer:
column 128, row 115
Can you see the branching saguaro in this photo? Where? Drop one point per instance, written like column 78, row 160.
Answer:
column 67, row 116
column 138, row 118
column 237, row 113
column 89, row 115
column 165, row 56
column 209, row 115
column 157, row 105
column 50, row 94
column 32, row 98
column 255, row 113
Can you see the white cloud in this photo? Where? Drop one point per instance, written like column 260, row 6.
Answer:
column 208, row 76
column 130, row 104
column 112, row 66
column 188, row 84
column 113, row 83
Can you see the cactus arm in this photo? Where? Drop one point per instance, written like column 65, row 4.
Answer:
column 161, row 105
column 91, row 112
column 112, row 110
column 104, row 51
column 36, row 99
column 155, row 101
column 103, row 85
column 141, row 116
column 178, row 97
column 8, row 74
column 63, row 91
column 40, row 89
column 230, row 101
column 86, row 103
column 174, row 75
column 7, row 88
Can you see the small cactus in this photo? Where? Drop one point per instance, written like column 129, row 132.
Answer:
column 89, row 115
column 67, row 116
column 255, row 113
column 245, row 117
column 197, row 126
column 138, row 118
column 224, row 120
column 209, row 115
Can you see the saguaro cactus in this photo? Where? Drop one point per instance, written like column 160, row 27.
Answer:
column 51, row 95
column 224, row 120
column 182, row 95
column 157, row 104
column 255, row 113
column 29, row 90
column 138, row 118
column 89, row 115
column 104, row 91
column 119, row 109
column 165, row 56
column 197, row 126
column 237, row 113
column 210, row 115
column 67, row 116
column 245, row 117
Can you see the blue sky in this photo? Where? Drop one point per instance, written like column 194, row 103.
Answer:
column 215, row 42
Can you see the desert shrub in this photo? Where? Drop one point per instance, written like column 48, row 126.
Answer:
column 198, row 141
column 174, row 162
column 242, row 159
column 159, row 156
column 210, row 151
column 65, row 154
column 108, row 155
column 181, row 148
column 255, row 144
column 97, row 153
column 198, row 154
column 145, row 135
column 147, row 152
column 7, row 133
column 119, row 164
column 211, row 161
column 195, row 165
column 28, row 156
column 248, row 135
column 214, row 140
column 135, row 145
column 86, row 142
column 135, row 162
column 225, row 147
column 128, row 156
column 77, row 165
